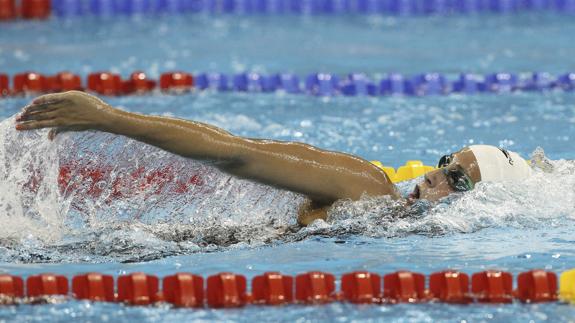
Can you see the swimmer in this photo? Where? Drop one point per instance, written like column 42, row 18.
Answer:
column 323, row 176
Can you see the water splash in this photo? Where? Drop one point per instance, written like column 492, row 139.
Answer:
column 95, row 197
column 29, row 207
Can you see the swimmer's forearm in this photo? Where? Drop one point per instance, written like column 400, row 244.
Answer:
column 186, row 138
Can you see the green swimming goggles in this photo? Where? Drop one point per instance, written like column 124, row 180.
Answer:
column 456, row 177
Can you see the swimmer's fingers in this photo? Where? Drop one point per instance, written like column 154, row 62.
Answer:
column 31, row 125
column 39, row 115
column 30, row 112
column 49, row 99
column 34, row 108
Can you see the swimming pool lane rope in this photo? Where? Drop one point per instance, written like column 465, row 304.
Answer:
column 317, row 84
column 229, row 290
column 42, row 9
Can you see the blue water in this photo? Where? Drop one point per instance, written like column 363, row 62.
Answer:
column 519, row 43
column 249, row 229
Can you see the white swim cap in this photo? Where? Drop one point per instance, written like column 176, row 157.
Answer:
column 496, row 164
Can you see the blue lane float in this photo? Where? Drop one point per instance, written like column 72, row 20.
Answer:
column 358, row 84
column 394, row 84
column 567, row 81
column 468, row 84
column 316, row 84
column 322, row 84
column 289, row 83
column 215, row 81
column 70, row 8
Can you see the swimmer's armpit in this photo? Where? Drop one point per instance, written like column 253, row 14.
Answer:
column 311, row 211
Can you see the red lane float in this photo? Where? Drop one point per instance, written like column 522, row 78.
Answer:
column 11, row 286
column 272, row 288
column 138, row 83
column 492, row 286
column 450, row 287
column 105, row 83
column 315, row 287
column 36, row 9
column 184, row 290
column 35, row 83
column 361, row 287
column 4, row 84
column 404, row 286
column 176, row 82
column 537, row 286
column 46, row 285
column 65, row 81
column 138, row 289
column 7, row 9
column 226, row 290
column 30, row 83
column 93, row 287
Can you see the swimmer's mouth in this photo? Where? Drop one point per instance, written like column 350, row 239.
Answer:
column 415, row 194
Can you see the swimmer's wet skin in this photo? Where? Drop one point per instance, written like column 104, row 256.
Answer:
column 323, row 176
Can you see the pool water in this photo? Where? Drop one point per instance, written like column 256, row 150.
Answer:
column 227, row 224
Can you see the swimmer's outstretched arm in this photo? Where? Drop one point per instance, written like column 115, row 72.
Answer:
column 324, row 176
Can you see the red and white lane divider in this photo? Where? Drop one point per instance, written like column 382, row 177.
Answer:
column 227, row 290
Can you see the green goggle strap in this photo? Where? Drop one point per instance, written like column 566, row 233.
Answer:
column 459, row 180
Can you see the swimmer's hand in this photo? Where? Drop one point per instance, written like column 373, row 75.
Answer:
column 68, row 111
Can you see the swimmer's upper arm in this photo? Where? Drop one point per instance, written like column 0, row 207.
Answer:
column 324, row 176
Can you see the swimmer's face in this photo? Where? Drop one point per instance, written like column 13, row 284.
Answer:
column 436, row 184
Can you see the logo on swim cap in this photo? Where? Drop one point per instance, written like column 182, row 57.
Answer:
column 507, row 155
